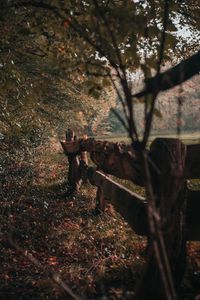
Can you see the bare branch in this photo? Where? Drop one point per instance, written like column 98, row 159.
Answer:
column 38, row 4
column 172, row 77
column 120, row 98
column 149, row 116
column 120, row 119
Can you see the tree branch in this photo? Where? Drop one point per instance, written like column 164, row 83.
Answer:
column 38, row 4
column 172, row 77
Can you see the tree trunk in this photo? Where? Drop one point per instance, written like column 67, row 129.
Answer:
column 168, row 182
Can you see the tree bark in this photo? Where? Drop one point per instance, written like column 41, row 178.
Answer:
column 169, row 189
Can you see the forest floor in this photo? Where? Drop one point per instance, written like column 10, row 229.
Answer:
column 46, row 235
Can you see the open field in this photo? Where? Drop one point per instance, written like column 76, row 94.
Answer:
column 187, row 138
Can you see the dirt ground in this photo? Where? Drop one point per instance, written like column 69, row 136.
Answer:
column 44, row 234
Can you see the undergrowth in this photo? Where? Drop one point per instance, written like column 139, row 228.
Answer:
column 98, row 257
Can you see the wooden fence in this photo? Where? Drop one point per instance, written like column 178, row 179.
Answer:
column 171, row 164
column 130, row 205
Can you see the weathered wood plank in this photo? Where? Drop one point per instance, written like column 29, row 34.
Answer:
column 121, row 197
column 122, row 161
column 73, row 172
column 117, row 159
column 131, row 206
column 100, row 200
column 193, row 161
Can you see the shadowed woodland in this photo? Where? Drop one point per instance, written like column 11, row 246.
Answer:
column 112, row 210
column 67, row 237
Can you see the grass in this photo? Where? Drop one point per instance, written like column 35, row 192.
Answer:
column 98, row 257
column 65, row 236
column 187, row 138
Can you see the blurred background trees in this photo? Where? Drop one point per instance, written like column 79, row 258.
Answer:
column 57, row 59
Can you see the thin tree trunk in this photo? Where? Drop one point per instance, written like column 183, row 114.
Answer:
column 169, row 191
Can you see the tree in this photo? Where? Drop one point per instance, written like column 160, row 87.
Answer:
column 114, row 38
column 41, row 79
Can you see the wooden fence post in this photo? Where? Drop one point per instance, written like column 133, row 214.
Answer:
column 73, row 159
column 84, row 163
column 169, row 189
column 100, row 201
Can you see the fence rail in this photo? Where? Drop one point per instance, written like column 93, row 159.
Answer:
column 170, row 163
column 130, row 205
